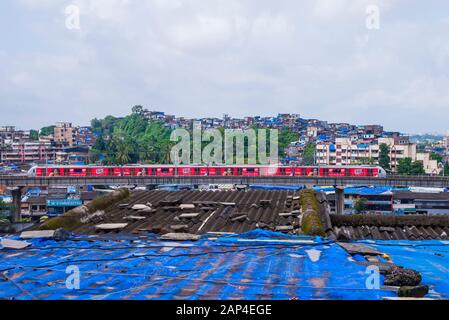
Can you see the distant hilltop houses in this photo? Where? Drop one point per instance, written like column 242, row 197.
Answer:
column 332, row 143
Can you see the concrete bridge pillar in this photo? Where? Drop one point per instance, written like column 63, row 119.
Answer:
column 17, row 201
column 339, row 199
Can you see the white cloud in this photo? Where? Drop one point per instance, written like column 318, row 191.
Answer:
column 199, row 58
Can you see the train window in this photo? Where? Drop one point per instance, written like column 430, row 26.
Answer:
column 165, row 170
column 251, row 170
column 78, row 170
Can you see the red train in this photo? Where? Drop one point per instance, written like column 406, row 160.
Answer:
column 192, row 170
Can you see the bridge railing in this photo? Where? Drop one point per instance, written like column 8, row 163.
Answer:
column 419, row 181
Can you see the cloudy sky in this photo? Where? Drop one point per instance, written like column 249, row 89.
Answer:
column 323, row 59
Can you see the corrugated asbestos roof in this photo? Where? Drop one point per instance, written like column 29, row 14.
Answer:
column 389, row 227
column 247, row 214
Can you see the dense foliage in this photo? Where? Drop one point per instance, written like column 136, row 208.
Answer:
column 5, row 212
column 130, row 139
column 384, row 156
column 308, row 158
column 407, row 167
column 45, row 131
column 136, row 139
column 360, row 205
column 34, row 135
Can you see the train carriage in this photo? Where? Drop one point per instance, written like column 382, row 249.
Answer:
column 197, row 170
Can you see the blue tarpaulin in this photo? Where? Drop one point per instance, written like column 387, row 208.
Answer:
column 256, row 265
column 362, row 190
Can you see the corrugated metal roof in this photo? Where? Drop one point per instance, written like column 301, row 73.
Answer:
column 239, row 268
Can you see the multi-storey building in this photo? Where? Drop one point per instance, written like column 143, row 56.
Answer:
column 346, row 151
column 9, row 135
column 65, row 133
column 28, row 152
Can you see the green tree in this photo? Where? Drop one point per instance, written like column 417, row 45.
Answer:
column 407, row 167
column 417, row 168
column 137, row 110
column 404, row 166
column 34, row 135
column 45, row 131
column 308, row 158
column 384, row 156
column 436, row 156
column 6, row 210
column 122, row 147
column 286, row 137
column 360, row 205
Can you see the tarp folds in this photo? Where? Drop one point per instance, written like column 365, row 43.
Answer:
column 280, row 267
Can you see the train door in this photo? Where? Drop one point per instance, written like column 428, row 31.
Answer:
column 140, row 172
column 126, row 172
column 117, row 172
column 40, row 172
column 197, row 171
column 151, row 171
column 300, row 171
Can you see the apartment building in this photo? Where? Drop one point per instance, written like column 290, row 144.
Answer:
column 65, row 133
column 28, row 152
column 346, row 151
column 9, row 135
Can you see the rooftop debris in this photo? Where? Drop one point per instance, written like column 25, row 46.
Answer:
column 352, row 249
column 180, row 237
column 189, row 215
column 187, row 206
column 179, row 227
column 415, row 292
column 14, row 244
column 111, row 226
column 402, row 277
column 38, row 234
column 134, row 218
column 139, row 207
